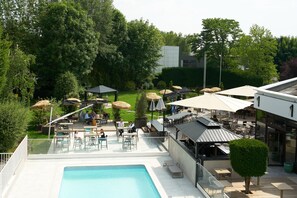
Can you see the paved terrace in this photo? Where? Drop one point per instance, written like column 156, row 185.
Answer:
column 265, row 189
column 45, row 174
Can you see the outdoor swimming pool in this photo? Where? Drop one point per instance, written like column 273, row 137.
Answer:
column 125, row 181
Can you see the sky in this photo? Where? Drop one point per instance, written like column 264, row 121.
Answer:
column 185, row 16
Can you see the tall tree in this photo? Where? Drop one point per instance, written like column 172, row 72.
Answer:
column 101, row 13
column 174, row 39
column 4, row 59
column 256, row 52
column 216, row 38
column 143, row 50
column 68, row 43
column 108, row 67
column 21, row 83
column 289, row 69
column 19, row 18
column 286, row 50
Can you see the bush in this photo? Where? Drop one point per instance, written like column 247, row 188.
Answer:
column 14, row 119
column 130, row 86
column 161, row 84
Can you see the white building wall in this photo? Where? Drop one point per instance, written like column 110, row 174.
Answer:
column 170, row 58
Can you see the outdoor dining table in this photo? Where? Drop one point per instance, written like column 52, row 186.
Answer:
column 89, row 136
column 282, row 186
column 127, row 138
column 221, row 172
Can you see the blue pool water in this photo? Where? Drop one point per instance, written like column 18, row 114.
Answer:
column 131, row 181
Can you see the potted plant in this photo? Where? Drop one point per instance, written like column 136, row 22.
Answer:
column 140, row 110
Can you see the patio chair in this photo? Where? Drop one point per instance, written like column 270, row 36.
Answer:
column 215, row 187
column 77, row 143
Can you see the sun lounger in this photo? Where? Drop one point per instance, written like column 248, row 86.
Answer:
column 173, row 168
column 175, row 171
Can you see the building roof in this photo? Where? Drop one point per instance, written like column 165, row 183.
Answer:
column 204, row 130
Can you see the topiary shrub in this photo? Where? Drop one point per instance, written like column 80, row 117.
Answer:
column 14, row 119
column 161, row 84
column 248, row 158
column 140, row 110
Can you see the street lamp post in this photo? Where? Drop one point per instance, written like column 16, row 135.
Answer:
column 220, row 78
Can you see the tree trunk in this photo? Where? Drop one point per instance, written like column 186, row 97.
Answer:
column 247, row 181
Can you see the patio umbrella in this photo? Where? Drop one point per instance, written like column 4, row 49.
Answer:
column 213, row 102
column 41, row 104
column 165, row 91
column 97, row 100
column 160, row 105
column 246, row 90
column 216, row 89
column 206, row 90
column 152, row 108
column 120, row 105
column 72, row 101
column 176, row 87
column 152, row 96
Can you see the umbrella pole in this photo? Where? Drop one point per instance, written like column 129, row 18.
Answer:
column 49, row 127
column 152, row 116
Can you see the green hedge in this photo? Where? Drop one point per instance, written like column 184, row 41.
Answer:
column 193, row 77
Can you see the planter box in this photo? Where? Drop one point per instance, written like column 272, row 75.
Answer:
column 44, row 129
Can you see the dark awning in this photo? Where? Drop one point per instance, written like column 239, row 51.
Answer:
column 204, row 130
column 101, row 89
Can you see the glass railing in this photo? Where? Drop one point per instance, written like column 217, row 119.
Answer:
column 210, row 185
column 95, row 144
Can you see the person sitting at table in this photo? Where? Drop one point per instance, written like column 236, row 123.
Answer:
column 214, row 118
column 88, row 118
column 132, row 128
column 121, row 125
column 102, row 134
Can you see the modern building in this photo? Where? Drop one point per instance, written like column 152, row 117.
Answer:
column 170, row 58
column 276, row 120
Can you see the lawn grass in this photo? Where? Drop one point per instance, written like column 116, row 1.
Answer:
column 126, row 115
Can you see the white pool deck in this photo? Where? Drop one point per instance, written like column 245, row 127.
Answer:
column 41, row 175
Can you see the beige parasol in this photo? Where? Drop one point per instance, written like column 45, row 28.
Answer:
column 165, row 91
column 41, row 104
column 121, row 105
column 71, row 101
column 216, row 89
column 97, row 100
column 176, row 87
column 152, row 96
column 206, row 90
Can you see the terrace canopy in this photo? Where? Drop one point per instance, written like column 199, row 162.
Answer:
column 203, row 133
column 246, row 91
column 101, row 89
column 213, row 102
